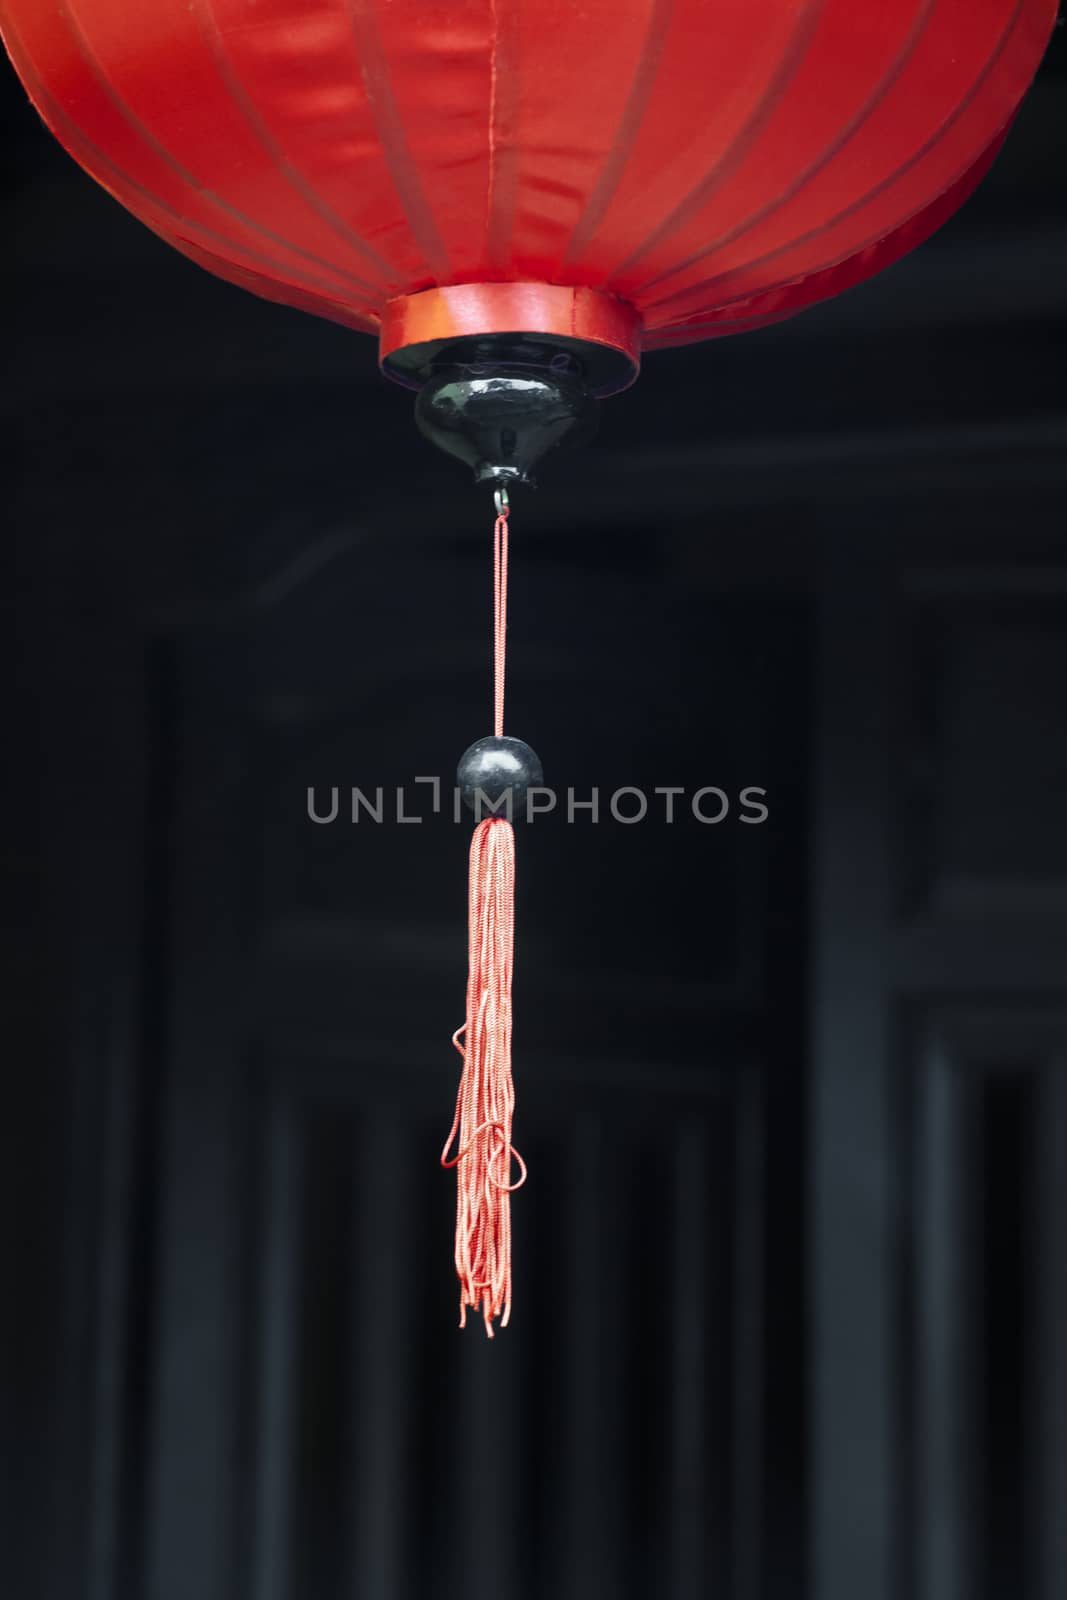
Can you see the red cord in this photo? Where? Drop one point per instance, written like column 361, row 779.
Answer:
column 486, row 1100
column 500, row 616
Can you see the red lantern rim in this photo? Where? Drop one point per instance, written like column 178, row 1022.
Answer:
column 604, row 330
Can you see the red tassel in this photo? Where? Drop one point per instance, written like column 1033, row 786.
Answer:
column 486, row 1092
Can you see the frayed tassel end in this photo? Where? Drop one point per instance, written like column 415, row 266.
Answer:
column 481, row 1130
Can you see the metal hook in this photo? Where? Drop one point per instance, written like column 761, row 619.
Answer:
column 500, row 499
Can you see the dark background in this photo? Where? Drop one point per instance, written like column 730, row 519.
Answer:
column 791, row 1267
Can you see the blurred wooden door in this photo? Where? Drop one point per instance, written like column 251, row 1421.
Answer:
column 939, row 1088
column 248, row 1367
column 317, row 1426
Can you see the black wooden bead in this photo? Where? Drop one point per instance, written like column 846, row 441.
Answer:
column 496, row 770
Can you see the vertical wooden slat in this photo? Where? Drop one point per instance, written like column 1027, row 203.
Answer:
column 749, row 1344
column 278, row 1313
column 191, row 1524
column 692, row 1349
column 384, row 1303
column 489, row 1435
column 116, row 1155
column 1052, row 1313
column 614, row 1203
column 582, row 1542
column 943, row 1329
column 92, row 798
column 851, row 1246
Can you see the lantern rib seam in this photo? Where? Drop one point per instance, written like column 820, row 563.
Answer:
column 641, row 86
column 490, row 188
column 374, row 68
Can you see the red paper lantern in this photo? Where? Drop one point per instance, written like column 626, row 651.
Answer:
column 630, row 173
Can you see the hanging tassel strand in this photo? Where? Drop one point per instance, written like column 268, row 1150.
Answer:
column 481, row 1129
column 479, row 1144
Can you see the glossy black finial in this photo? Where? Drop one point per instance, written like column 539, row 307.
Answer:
column 500, row 403
column 495, row 775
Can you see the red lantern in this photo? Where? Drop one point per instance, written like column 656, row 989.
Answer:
column 630, row 173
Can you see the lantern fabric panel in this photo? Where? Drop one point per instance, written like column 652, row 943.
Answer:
column 718, row 164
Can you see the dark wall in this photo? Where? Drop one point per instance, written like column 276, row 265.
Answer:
column 791, row 1303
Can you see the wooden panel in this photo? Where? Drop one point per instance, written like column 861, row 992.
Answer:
column 982, row 763
column 396, row 1454
column 941, row 1509
column 982, row 1464
column 851, row 1240
column 1052, row 1331
column 272, row 1368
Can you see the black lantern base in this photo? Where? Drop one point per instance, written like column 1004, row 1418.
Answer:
column 501, row 402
